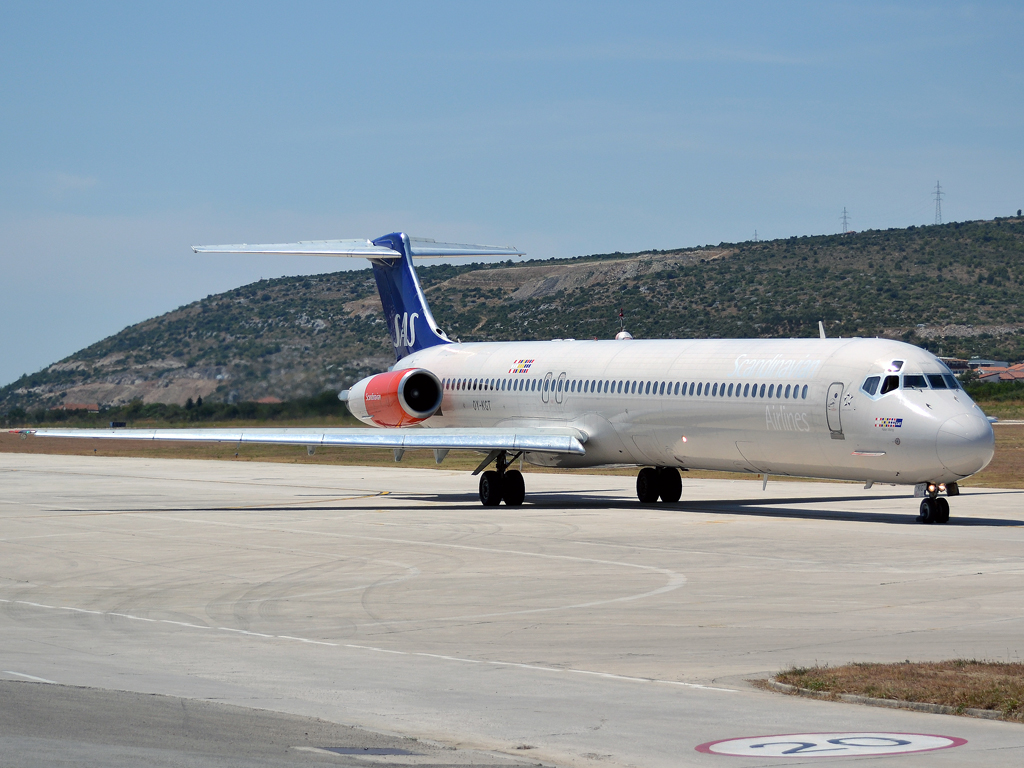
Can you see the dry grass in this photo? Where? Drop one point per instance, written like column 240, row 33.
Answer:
column 1007, row 467
column 959, row 683
column 1003, row 409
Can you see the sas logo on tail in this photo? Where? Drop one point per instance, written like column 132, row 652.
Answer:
column 405, row 329
column 521, row 366
column 888, row 423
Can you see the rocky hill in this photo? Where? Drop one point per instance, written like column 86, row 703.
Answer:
column 956, row 289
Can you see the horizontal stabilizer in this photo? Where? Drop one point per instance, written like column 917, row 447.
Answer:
column 363, row 248
column 549, row 440
column 420, row 248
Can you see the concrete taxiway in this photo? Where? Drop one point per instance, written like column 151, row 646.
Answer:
column 579, row 629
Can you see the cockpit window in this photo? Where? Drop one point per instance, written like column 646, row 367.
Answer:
column 896, row 365
column 936, row 380
column 915, row 381
column 870, row 384
column 889, row 384
column 951, row 381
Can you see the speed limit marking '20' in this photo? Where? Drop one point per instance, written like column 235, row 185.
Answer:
column 860, row 744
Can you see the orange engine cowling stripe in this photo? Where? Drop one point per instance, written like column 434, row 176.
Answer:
column 383, row 405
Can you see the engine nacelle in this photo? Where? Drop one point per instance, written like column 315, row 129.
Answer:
column 396, row 398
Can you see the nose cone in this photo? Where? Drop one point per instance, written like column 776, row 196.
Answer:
column 965, row 444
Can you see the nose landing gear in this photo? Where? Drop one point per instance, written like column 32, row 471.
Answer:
column 934, row 508
column 661, row 482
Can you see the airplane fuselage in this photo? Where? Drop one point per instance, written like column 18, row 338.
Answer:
column 779, row 406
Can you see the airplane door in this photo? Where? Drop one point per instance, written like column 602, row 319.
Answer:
column 832, row 410
column 545, row 392
column 559, row 387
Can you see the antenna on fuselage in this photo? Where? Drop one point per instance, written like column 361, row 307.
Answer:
column 623, row 334
column 821, row 330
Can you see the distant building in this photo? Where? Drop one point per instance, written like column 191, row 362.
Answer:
column 955, row 364
column 994, row 374
column 90, row 407
column 270, row 400
column 977, row 362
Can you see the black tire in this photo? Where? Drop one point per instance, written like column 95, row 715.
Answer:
column 942, row 511
column 670, row 485
column 490, row 488
column 647, row 486
column 514, row 489
column 927, row 511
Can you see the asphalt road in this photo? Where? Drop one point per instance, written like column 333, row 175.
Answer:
column 255, row 602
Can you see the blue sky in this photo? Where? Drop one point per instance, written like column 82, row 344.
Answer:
column 130, row 131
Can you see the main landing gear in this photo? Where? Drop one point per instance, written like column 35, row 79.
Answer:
column 502, row 484
column 659, row 482
column 934, row 508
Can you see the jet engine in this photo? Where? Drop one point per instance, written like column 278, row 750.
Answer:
column 396, row 398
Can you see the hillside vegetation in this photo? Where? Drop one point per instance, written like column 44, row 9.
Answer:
column 955, row 289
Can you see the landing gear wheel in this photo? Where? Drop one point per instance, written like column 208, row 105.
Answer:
column 490, row 488
column 647, row 485
column 514, row 489
column 929, row 512
column 941, row 511
column 670, row 484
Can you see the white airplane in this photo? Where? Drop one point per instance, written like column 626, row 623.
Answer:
column 870, row 410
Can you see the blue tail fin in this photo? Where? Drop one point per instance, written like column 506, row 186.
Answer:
column 410, row 323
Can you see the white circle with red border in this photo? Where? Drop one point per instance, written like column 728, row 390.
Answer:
column 850, row 744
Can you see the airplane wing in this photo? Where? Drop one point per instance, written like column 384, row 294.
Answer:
column 546, row 440
column 420, row 248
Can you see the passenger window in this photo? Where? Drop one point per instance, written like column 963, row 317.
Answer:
column 787, row 390
column 803, row 395
column 935, row 379
column 677, row 389
column 889, row 383
column 661, row 389
column 746, row 390
column 648, row 391
column 870, row 384
column 771, row 389
column 914, row 381
column 691, row 387
column 714, row 390
column 699, row 388
column 761, row 394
